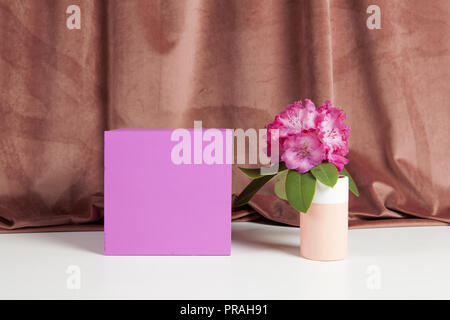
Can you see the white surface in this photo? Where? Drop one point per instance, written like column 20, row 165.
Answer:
column 327, row 195
column 382, row 263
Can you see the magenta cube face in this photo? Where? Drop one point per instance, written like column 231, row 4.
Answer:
column 155, row 205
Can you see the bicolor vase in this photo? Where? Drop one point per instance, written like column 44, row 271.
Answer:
column 324, row 228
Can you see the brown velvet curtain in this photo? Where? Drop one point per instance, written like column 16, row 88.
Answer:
column 230, row 63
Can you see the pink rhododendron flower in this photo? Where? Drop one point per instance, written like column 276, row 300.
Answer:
column 334, row 133
column 338, row 160
column 303, row 151
column 332, row 129
column 296, row 118
column 310, row 135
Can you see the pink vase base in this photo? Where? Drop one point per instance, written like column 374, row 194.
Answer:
column 323, row 232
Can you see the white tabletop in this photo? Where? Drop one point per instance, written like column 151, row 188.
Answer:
column 265, row 264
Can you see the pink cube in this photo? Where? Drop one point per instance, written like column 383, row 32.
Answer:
column 156, row 206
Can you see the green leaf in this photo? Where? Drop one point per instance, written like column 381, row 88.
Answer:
column 280, row 185
column 326, row 173
column 252, row 173
column 252, row 188
column 256, row 172
column 300, row 189
column 351, row 184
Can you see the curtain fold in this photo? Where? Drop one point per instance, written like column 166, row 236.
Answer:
column 229, row 63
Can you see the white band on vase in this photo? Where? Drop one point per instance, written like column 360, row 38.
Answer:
column 328, row 195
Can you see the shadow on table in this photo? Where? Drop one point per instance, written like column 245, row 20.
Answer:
column 266, row 239
column 85, row 240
